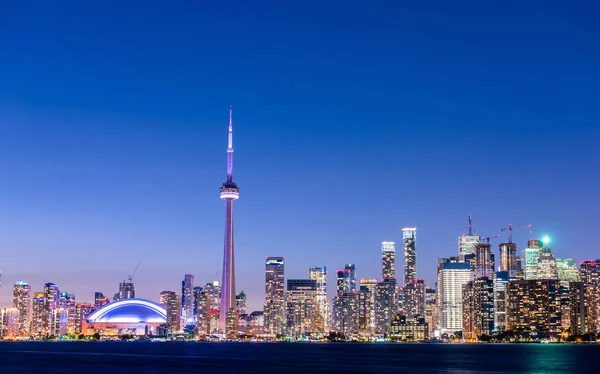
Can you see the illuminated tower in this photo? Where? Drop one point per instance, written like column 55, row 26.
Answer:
column 409, row 236
column 274, row 295
column 508, row 259
column 187, row 299
column 388, row 260
column 467, row 243
column 229, row 191
column 22, row 302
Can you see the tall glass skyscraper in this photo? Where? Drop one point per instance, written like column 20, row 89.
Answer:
column 22, row 302
column 187, row 299
column 274, row 295
column 319, row 274
column 388, row 260
column 452, row 275
column 409, row 237
column 351, row 268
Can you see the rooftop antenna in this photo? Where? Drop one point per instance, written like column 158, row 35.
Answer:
column 470, row 226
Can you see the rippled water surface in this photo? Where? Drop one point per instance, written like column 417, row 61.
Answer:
column 146, row 357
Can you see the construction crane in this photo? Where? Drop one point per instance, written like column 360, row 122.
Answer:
column 130, row 277
column 510, row 229
column 491, row 237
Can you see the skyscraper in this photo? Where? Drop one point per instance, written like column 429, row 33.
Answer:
column 483, row 260
column 508, row 259
column 126, row 290
column 567, row 270
column 546, row 267
column 388, row 260
column 385, row 304
column 82, row 310
column 51, row 305
column 240, row 302
column 346, row 313
column 67, row 304
column 100, row 300
column 409, row 237
column 38, row 313
column 320, row 276
column 229, row 192
column 274, row 294
column 187, row 298
column 172, row 302
column 452, row 275
column 301, row 306
column 467, row 243
column 367, row 304
column 535, row 306
column 532, row 254
column 352, row 270
column 500, row 306
column 22, row 302
column 414, row 298
column 589, row 272
column 343, row 281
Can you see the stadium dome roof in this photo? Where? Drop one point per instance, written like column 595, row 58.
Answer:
column 130, row 311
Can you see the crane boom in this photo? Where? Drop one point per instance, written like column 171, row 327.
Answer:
column 510, row 229
column 134, row 271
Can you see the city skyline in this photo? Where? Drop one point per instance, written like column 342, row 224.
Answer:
column 112, row 148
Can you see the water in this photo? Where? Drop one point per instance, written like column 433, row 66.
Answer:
column 182, row 357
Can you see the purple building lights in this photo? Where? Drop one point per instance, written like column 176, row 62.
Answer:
column 229, row 192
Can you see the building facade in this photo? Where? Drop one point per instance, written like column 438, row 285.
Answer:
column 388, row 260
column 302, row 313
column 23, row 303
column 274, row 295
column 319, row 274
column 409, row 238
column 187, row 299
column 452, row 275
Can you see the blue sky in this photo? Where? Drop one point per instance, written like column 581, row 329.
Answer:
column 352, row 119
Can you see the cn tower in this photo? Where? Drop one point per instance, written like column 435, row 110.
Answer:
column 228, row 318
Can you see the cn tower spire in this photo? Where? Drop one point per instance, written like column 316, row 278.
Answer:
column 230, row 147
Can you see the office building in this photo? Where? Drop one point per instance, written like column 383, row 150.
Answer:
column 589, row 274
column 535, row 306
column 351, row 268
column 567, row 270
column 532, row 254
column 344, row 283
column 202, row 311
column 478, row 308
column 500, row 305
column 67, row 306
column 229, row 192
column 388, row 260
column 579, row 311
column 404, row 328
column 22, row 303
column 508, row 259
column 197, row 292
column 546, row 266
column 38, row 315
column 82, row 311
column 302, row 314
column 467, row 243
column 240, row 302
column 213, row 289
column 409, row 238
column 451, row 277
column 430, row 310
column 274, row 295
column 319, row 274
column 187, row 299
column 414, row 298
column 172, row 302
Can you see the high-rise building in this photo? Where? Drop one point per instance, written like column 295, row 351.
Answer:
column 483, row 260
column 508, row 259
column 319, row 274
column 532, row 254
column 430, row 310
column 367, row 305
column 567, row 270
column 22, row 302
column 302, row 307
column 172, row 302
column 478, row 308
column 126, row 290
column 100, row 300
column 352, row 270
column 535, row 306
column 385, row 304
column 409, row 238
column 197, row 292
column 343, row 281
column 187, row 299
column 414, row 298
column 500, row 306
column 67, row 304
column 467, row 243
column 202, row 311
column 579, row 311
column 228, row 317
column 452, row 275
column 546, row 266
column 274, row 295
column 51, row 305
column 388, row 260
column 346, row 313
column 213, row 289
column 38, row 314
column 240, row 302
column 9, row 322
column 82, row 311
column 589, row 273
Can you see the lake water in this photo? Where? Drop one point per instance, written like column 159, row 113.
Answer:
column 182, row 357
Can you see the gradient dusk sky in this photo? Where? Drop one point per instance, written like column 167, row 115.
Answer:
column 352, row 119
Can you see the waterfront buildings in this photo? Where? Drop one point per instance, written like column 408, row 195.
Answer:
column 403, row 328
column 23, row 304
column 483, row 260
column 344, row 283
column 430, row 310
column 508, row 259
column 409, row 238
column 414, row 298
column 478, row 308
column 351, row 268
column 346, row 313
column 367, row 305
column 589, row 273
column 302, row 313
column 385, row 304
column 546, row 266
column 274, row 295
column 500, row 302
column 9, row 322
column 319, row 274
column 51, row 305
column 452, row 275
column 534, row 306
column 187, row 298
column 38, row 315
column 229, row 192
column 82, row 311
